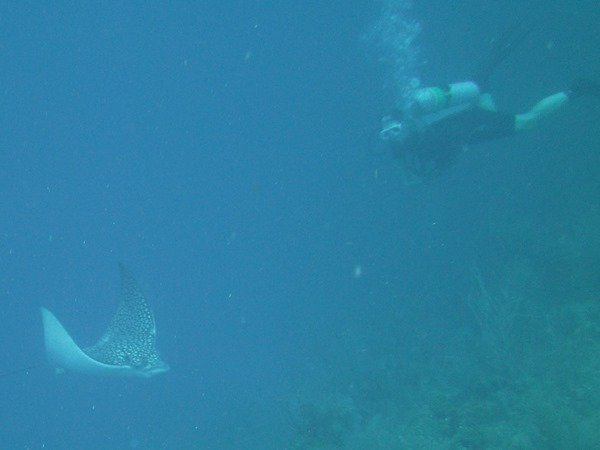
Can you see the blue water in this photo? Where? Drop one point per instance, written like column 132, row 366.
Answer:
column 227, row 153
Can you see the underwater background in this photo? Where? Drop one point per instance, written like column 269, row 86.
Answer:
column 227, row 153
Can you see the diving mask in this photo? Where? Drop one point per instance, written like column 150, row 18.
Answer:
column 393, row 130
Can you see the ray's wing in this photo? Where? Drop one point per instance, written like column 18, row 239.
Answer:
column 63, row 353
column 130, row 340
column 128, row 347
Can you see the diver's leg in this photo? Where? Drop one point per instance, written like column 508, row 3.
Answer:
column 542, row 109
column 547, row 106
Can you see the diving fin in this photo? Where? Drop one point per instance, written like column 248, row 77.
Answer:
column 584, row 87
column 502, row 48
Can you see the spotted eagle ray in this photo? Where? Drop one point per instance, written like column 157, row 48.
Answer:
column 127, row 348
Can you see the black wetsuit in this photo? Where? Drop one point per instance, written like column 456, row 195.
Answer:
column 426, row 153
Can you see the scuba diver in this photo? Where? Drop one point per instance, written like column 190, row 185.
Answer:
column 440, row 122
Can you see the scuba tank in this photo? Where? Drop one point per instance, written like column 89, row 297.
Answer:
column 433, row 99
column 428, row 105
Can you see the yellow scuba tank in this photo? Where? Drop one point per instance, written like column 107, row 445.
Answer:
column 433, row 99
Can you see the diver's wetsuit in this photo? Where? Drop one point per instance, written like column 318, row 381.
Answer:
column 427, row 152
